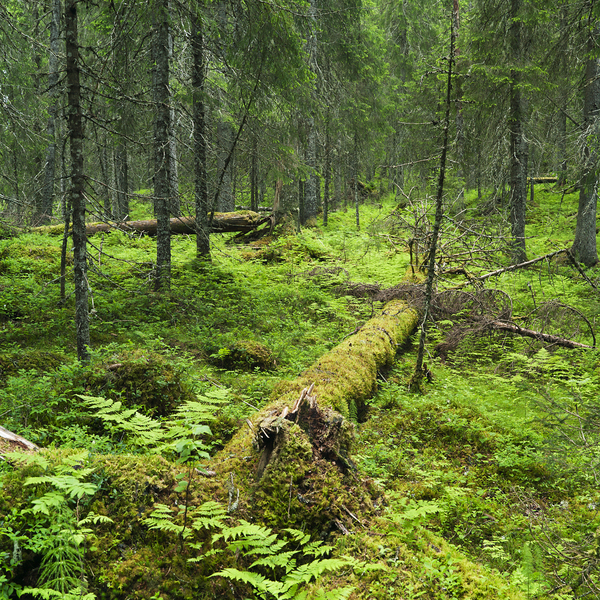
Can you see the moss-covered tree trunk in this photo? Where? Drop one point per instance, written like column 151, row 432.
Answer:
column 291, row 465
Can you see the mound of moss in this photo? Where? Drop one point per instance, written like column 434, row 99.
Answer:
column 141, row 378
column 37, row 360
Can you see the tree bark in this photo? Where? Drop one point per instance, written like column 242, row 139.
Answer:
column 162, row 153
column 254, row 174
column 50, row 170
column 518, row 144
column 200, row 171
column 584, row 246
column 76, row 192
column 242, row 222
column 420, row 370
column 313, row 413
column 327, row 169
column 125, row 114
column 537, row 335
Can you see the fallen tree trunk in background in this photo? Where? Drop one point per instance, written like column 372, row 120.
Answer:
column 291, row 464
column 222, row 223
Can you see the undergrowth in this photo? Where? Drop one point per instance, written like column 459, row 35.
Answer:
column 486, row 483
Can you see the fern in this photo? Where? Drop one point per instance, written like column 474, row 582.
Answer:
column 181, row 433
column 144, row 430
column 208, row 516
column 162, row 519
column 257, row 540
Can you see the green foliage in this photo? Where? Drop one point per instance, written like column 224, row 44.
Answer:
column 182, row 433
column 50, row 529
column 286, row 570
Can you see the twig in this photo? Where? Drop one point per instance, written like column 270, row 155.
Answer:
column 353, row 516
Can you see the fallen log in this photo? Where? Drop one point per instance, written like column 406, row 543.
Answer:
column 11, row 441
column 291, row 465
column 243, row 222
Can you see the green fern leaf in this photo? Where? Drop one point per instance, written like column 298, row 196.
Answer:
column 258, row 582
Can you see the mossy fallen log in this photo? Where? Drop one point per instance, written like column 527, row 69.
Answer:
column 291, row 465
column 243, row 221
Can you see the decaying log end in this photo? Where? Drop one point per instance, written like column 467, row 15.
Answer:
column 11, row 442
column 324, row 429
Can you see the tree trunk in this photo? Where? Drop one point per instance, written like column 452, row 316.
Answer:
column 125, row 115
column 121, row 180
column 174, row 199
column 327, row 169
column 76, row 192
column 562, row 113
column 420, row 369
column 254, row 174
column 584, row 246
column 162, row 154
column 200, row 171
column 518, row 144
column 355, row 171
column 306, row 431
column 49, row 176
column 310, row 187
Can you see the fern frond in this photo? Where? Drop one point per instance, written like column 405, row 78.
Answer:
column 339, row 594
column 209, row 515
column 249, row 530
column 94, row 519
column 49, row 500
column 317, row 549
column 274, row 561
column 73, row 486
column 145, row 430
column 161, row 519
column 195, row 411
column 299, row 536
column 305, row 573
column 49, row 594
column 258, row 582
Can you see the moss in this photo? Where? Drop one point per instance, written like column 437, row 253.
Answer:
column 143, row 379
column 13, row 362
column 129, row 559
column 397, row 566
column 346, row 376
column 245, row 355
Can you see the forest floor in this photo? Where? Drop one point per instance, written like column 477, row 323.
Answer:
column 484, row 484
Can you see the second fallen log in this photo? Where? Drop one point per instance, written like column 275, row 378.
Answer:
column 234, row 222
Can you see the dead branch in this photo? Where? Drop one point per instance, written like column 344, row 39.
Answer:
column 522, row 265
column 537, row 335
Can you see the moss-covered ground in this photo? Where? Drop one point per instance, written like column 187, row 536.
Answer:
column 484, row 485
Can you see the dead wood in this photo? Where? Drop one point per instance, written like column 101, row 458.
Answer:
column 296, row 452
column 12, row 442
column 523, row 265
column 243, row 222
column 478, row 278
column 536, row 335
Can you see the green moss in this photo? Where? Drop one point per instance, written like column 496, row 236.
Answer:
column 143, row 379
column 244, row 355
column 346, row 376
column 13, row 362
